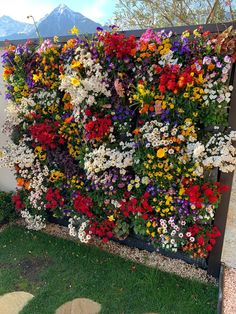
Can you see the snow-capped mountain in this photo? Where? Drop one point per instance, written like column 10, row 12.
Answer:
column 58, row 22
column 9, row 26
column 61, row 19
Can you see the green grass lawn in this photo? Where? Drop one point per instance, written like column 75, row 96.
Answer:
column 55, row 271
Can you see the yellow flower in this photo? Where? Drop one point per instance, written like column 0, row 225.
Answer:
column 196, row 33
column 168, row 200
column 148, row 224
column 74, row 31
column 129, row 188
column 42, row 156
column 38, row 149
column 185, row 34
column 36, row 77
column 55, row 39
column 111, row 218
column 75, row 64
column 75, row 81
column 160, row 153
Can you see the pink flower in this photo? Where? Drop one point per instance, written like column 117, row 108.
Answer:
column 119, row 88
column 158, row 109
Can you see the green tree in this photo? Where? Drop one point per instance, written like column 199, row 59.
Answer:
column 134, row 14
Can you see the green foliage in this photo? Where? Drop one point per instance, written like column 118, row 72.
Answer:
column 7, row 209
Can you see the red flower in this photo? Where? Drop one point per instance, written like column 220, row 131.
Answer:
column 54, row 198
column 118, row 46
column 99, row 128
column 83, row 204
column 132, row 206
column 223, row 188
column 208, row 247
column 201, row 241
column 212, row 241
column 102, row 229
column 145, row 216
column 109, row 234
column 17, row 200
column 46, row 133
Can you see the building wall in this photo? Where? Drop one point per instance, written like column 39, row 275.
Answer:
column 7, row 181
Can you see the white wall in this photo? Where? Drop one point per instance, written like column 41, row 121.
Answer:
column 7, row 181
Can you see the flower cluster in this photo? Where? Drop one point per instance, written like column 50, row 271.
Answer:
column 122, row 135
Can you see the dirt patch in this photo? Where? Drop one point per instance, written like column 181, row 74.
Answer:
column 30, row 268
column 5, row 265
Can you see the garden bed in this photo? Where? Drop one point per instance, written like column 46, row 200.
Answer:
column 140, row 243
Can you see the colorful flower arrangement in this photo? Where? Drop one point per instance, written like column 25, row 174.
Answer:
column 122, row 135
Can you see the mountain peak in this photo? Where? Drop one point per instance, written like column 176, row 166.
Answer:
column 61, row 8
column 5, row 17
column 57, row 22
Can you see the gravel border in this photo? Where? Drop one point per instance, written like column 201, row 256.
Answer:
column 229, row 291
column 153, row 259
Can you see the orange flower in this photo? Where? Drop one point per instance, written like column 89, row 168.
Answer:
column 68, row 106
column 144, row 109
column 20, row 181
column 152, row 47
column 211, row 67
column 27, row 185
column 136, row 131
column 143, row 46
column 7, row 71
column 68, row 120
column 133, row 52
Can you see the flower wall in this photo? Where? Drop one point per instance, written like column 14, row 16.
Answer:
column 121, row 135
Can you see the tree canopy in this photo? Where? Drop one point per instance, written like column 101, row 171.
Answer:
column 135, row 14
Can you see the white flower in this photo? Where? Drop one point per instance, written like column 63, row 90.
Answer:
column 34, row 222
column 198, row 150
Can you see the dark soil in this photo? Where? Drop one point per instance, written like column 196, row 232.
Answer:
column 30, row 268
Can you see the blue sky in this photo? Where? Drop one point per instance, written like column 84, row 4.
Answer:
column 98, row 10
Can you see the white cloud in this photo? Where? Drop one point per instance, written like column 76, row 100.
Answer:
column 19, row 10
column 96, row 11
